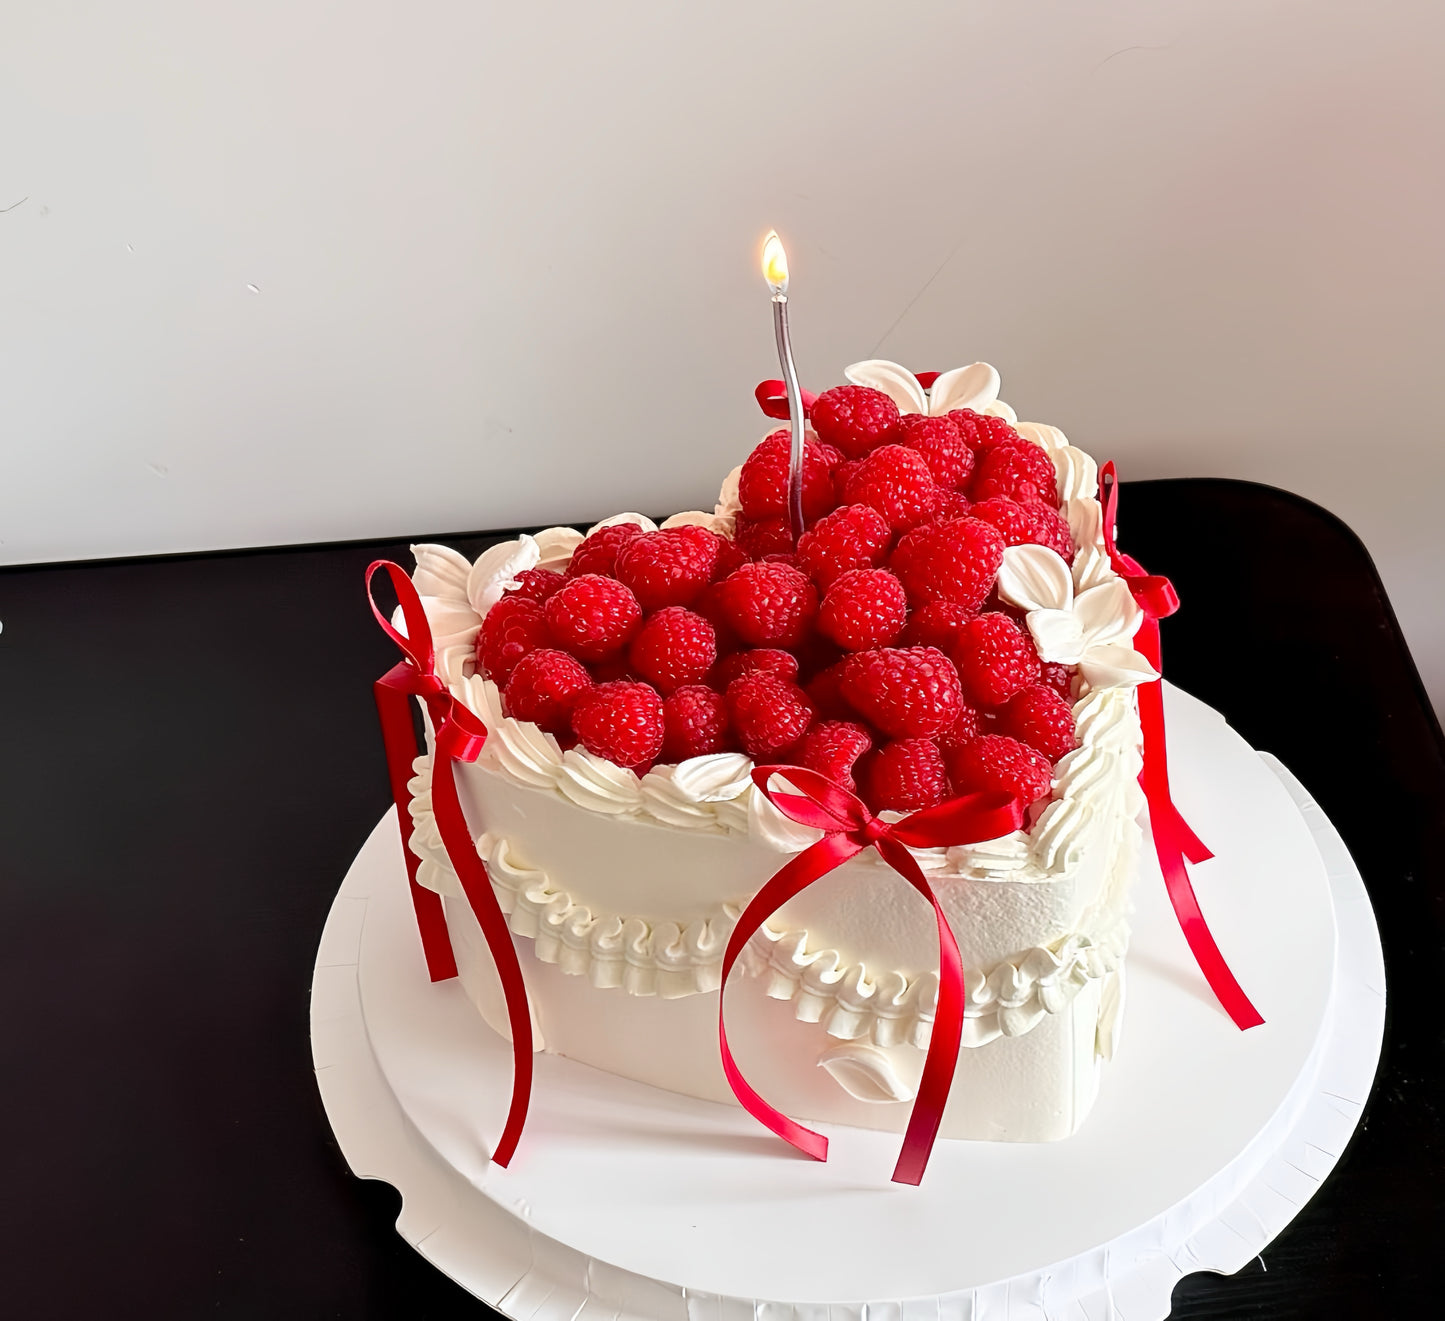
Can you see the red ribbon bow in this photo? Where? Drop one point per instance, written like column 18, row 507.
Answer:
column 458, row 736
column 849, row 829
column 772, row 397
column 1174, row 841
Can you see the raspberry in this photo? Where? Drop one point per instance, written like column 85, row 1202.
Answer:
column 1018, row 469
column 768, row 605
column 896, row 482
column 855, row 418
column 621, row 722
column 759, row 537
column 842, row 475
column 536, row 584
column 951, row 504
column 995, row 763
column 825, row 691
column 512, row 628
column 908, row 692
column 667, row 568
column 1038, row 716
column 949, row 459
column 831, row 747
column 545, row 685
column 730, row 556
column 953, row 561
column 598, row 553
column 782, row 663
column 593, row 616
column 969, row 725
column 696, row 723
column 905, row 775
column 1058, row 677
column 1052, row 530
column 611, row 668
column 863, row 608
column 853, row 537
column 935, row 625
column 994, row 658
column 768, row 713
column 763, row 485
column 672, row 648
column 981, row 432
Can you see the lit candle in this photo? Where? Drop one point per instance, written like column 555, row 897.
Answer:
column 775, row 272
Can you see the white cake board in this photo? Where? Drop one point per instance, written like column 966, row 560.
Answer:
column 628, row 1202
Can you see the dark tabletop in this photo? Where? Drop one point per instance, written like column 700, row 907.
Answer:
column 191, row 761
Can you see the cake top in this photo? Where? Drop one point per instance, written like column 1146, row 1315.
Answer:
column 932, row 632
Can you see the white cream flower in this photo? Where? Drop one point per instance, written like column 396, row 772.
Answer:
column 1091, row 628
column 975, row 386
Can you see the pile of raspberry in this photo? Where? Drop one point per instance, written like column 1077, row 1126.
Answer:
column 875, row 650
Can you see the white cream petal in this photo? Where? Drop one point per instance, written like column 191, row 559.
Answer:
column 974, row 386
column 440, row 571
column 1035, row 578
column 1057, row 635
column 866, row 1073
column 999, row 409
column 1107, row 613
column 555, row 545
column 898, row 383
column 728, row 503
column 1043, row 435
column 637, row 520
column 496, row 567
column 1114, row 667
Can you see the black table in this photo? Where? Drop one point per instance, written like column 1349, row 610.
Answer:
column 191, row 761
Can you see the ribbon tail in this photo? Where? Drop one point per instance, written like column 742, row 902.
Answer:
column 477, row 887
column 792, row 879
column 947, row 1035
column 398, row 734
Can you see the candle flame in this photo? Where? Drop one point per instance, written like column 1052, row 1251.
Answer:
column 775, row 263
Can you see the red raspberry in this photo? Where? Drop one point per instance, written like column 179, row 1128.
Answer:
column 512, row 628
column 545, row 685
column 825, row 691
column 593, row 616
column 759, row 537
column 935, row 625
column 1031, row 524
column 611, row 668
column 969, row 725
column 730, row 556
column 863, row 608
column 953, row 561
column 995, row 763
column 536, row 584
column 763, row 484
column 1058, row 677
column 842, row 475
column 598, row 553
column 768, row 605
column 1018, row 469
column 905, row 775
column 908, row 692
column 995, row 659
column 853, row 537
column 951, row 504
column 980, row 431
column 621, row 722
column 672, row 648
column 667, row 568
column 855, row 418
column 782, row 663
column 1051, row 529
column 1038, row 716
column 896, row 482
column 949, row 459
column 831, row 747
column 696, row 721
column 768, row 713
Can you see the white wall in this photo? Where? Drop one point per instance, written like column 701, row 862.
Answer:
column 298, row 269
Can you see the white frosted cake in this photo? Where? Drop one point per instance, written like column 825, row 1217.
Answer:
column 950, row 624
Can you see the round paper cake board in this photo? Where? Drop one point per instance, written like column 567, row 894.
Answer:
column 626, row 1201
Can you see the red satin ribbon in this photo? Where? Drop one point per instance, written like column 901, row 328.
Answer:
column 849, row 829
column 458, row 736
column 772, row 397
column 1174, row 841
